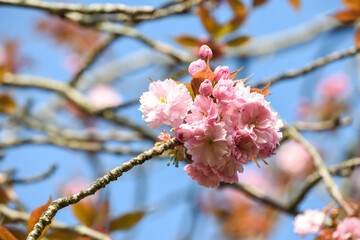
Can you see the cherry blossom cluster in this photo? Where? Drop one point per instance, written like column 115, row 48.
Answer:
column 313, row 221
column 222, row 123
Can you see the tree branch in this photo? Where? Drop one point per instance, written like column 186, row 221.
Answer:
column 101, row 182
column 74, row 96
column 310, row 67
column 37, row 178
column 321, row 169
column 323, row 125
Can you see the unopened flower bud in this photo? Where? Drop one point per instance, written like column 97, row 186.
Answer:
column 206, row 88
column 164, row 136
column 196, row 66
column 205, row 52
column 222, row 72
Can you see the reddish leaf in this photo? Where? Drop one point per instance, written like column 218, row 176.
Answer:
column 126, row 221
column 35, row 216
column 187, row 41
column 237, row 42
column 102, row 213
column 295, row 4
column 17, row 234
column 347, row 16
column 6, row 234
column 201, row 76
column 352, row 4
column 258, row 2
column 357, row 37
column 85, row 212
column 207, row 20
column 7, row 104
column 238, row 8
column 62, row 234
column 264, row 91
column 233, row 74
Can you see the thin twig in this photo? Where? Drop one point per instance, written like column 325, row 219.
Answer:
column 90, row 146
column 37, row 178
column 321, row 169
column 323, row 125
column 101, row 182
column 128, row 31
column 315, row 178
column 93, row 56
column 74, row 96
column 310, row 67
column 15, row 216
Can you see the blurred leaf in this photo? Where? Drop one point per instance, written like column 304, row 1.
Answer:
column 353, row 4
column 357, row 37
column 240, row 13
column 295, row 4
column 207, row 20
column 102, row 213
column 3, row 196
column 201, row 76
column 18, row 234
column 2, row 73
column 237, row 42
column 61, row 235
column 6, row 234
column 187, row 41
column 238, row 7
column 7, row 104
column 347, row 16
column 126, row 221
column 85, row 212
column 35, row 216
column 258, row 2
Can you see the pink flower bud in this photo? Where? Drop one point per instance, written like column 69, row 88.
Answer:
column 222, row 72
column 196, row 66
column 206, row 88
column 205, row 52
column 164, row 136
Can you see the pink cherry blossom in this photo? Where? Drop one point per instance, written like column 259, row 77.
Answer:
column 196, row 66
column 336, row 86
column 292, row 158
column 166, row 103
column 203, row 108
column 210, row 146
column 74, row 63
column 244, row 147
column 222, row 72
column 103, row 96
column 348, row 229
column 202, row 174
column 206, row 88
column 205, row 52
column 309, row 222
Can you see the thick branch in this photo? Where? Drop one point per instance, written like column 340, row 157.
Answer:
column 101, row 182
column 15, row 215
column 310, row 67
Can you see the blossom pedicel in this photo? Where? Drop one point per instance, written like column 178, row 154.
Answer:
column 222, row 123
